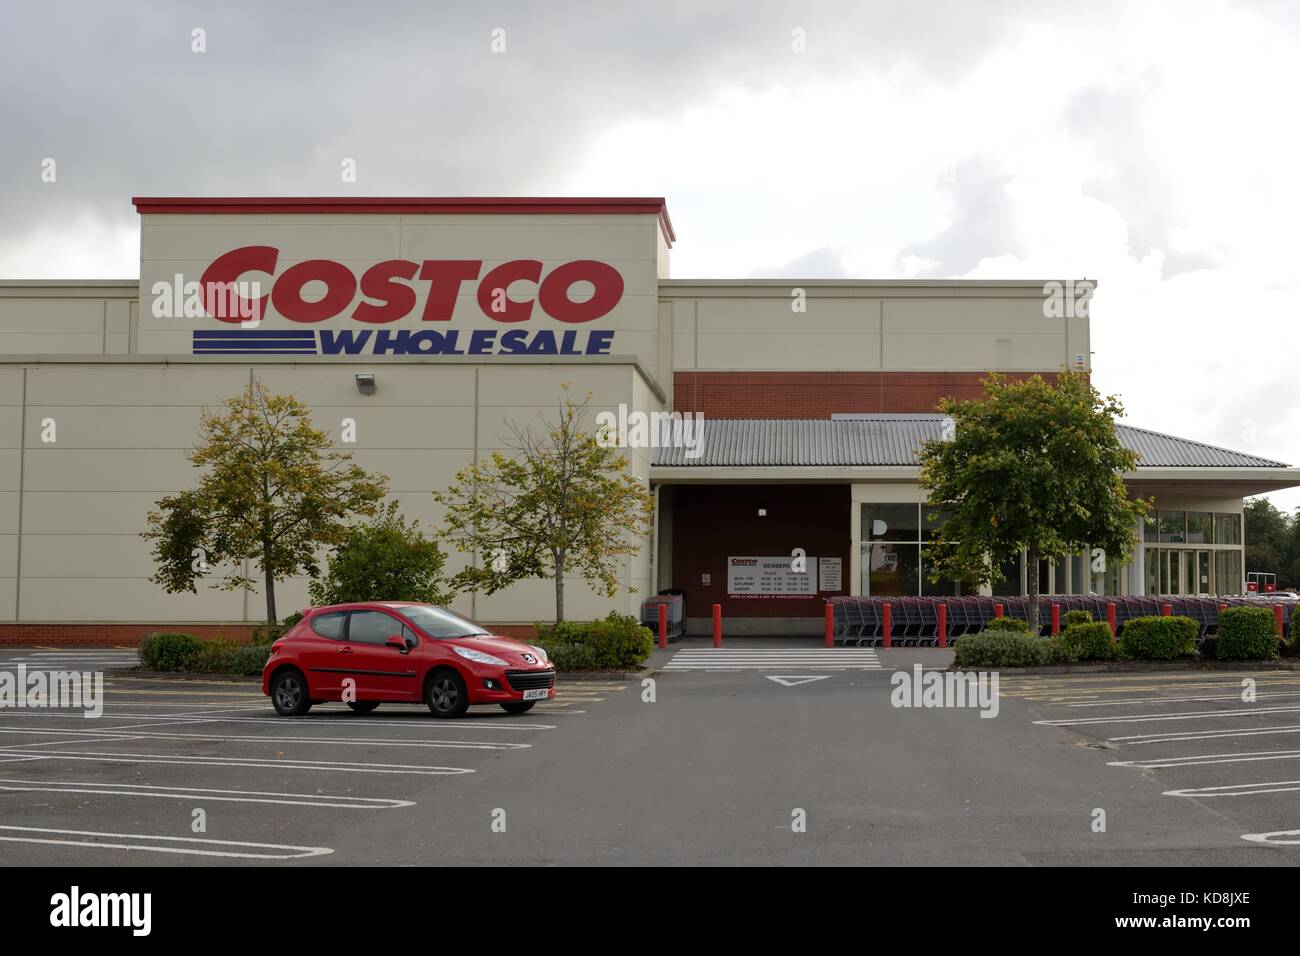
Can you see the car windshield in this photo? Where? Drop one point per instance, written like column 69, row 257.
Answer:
column 440, row 623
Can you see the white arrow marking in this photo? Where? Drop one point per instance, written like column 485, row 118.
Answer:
column 788, row 680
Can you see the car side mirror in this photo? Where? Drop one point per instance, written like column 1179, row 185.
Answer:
column 398, row 642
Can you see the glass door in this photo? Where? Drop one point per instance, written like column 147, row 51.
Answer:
column 1202, row 572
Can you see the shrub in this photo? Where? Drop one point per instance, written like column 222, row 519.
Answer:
column 1090, row 642
column 1159, row 638
column 616, row 643
column 1247, row 634
column 1057, row 652
column 1076, row 617
column 999, row 648
column 169, row 651
column 386, row 559
column 1013, row 624
column 1209, row 648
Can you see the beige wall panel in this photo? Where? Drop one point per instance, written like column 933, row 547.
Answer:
column 529, row 601
column 160, row 470
column 516, row 387
column 794, row 351
column 974, row 352
column 133, row 384
column 1009, row 315
column 8, row 556
column 613, row 242
column 86, row 556
column 10, row 466
column 414, row 471
column 684, row 327
column 114, row 426
column 394, row 427
column 11, row 385
column 8, row 512
column 186, row 243
column 89, row 512
column 8, row 599
column 90, row 342
column 122, row 599
column 11, row 426
column 65, row 314
column 415, row 384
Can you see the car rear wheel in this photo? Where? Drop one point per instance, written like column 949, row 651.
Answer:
column 363, row 706
column 518, row 706
column 447, row 695
column 289, row 694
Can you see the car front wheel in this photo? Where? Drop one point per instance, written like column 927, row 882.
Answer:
column 447, row 695
column 289, row 694
column 518, row 706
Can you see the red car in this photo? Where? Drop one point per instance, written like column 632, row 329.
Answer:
column 402, row 653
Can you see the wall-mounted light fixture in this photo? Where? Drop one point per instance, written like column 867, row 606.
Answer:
column 762, row 512
column 366, row 383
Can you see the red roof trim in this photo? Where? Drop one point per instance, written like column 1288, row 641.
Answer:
column 397, row 205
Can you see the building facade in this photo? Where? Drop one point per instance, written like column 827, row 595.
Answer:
column 462, row 315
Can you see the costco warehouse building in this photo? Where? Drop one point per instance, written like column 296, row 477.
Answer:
column 812, row 419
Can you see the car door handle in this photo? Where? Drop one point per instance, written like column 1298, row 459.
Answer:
column 345, row 650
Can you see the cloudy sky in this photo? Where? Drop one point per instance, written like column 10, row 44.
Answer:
column 1150, row 146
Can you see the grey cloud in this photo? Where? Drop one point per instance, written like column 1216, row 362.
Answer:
column 823, row 263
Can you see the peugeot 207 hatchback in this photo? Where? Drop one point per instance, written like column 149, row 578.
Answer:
column 402, row 653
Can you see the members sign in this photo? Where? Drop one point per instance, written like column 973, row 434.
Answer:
column 772, row 577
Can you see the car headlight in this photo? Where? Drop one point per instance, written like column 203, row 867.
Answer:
column 478, row 657
column 541, row 653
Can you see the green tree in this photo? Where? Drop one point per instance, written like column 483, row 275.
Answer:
column 1032, row 466
column 549, row 505
column 385, row 559
column 269, row 492
column 1270, row 539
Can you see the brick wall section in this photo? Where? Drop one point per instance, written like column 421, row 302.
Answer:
column 129, row 635
column 821, row 394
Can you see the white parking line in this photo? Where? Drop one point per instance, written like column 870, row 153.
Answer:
column 415, row 723
column 263, row 763
column 1134, row 740
column 295, row 852
column 1199, row 760
column 1199, row 715
column 1268, row 837
column 300, row 739
column 1172, row 700
column 204, row 793
column 1238, row 789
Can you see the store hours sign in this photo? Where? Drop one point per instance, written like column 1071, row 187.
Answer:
column 771, row 577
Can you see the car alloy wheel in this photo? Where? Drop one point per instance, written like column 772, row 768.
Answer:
column 447, row 695
column 289, row 695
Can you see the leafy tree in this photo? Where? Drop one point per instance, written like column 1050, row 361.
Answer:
column 269, row 493
column 556, row 504
column 1270, row 539
column 385, row 559
column 1031, row 466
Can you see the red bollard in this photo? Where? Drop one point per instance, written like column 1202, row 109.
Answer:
column 887, row 623
column 1277, row 616
column 663, row 625
column 830, row 624
column 1110, row 619
column 717, row 625
column 1166, row 610
column 943, row 625
column 1222, row 608
column 1056, row 619
column 997, row 610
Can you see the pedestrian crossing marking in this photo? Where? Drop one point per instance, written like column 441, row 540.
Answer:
column 773, row 659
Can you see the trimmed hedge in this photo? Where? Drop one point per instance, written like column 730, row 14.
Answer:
column 1056, row 652
column 1247, row 634
column 1090, row 642
column 1076, row 616
column 1013, row 624
column 999, row 648
column 616, row 643
column 1159, row 638
column 192, row 655
column 169, row 651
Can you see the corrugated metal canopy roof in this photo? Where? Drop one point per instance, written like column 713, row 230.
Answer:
column 883, row 440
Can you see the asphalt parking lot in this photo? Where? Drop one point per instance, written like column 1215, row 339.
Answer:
column 749, row 755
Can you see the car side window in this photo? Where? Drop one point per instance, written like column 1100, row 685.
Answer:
column 411, row 638
column 329, row 625
column 372, row 627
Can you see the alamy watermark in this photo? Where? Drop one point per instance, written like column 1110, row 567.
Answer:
column 635, row 429
column 933, row 689
column 229, row 301
column 22, row 689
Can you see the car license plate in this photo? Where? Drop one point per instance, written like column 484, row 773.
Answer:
column 540, row 694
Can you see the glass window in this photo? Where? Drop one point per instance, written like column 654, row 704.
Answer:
column 1173, row 527
column 373, row 627
column 1009, row 574
column 1200, row 527
column 1151, row 569
column 1078, row 574
column 891, row 570
column 329, row 625
column 1060, row 576
column 1149, row 528
column 930, row 525
column 945, row 586
column 438, row 622
column 1227, row 530
column 891, row 523
column 1227, row 570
